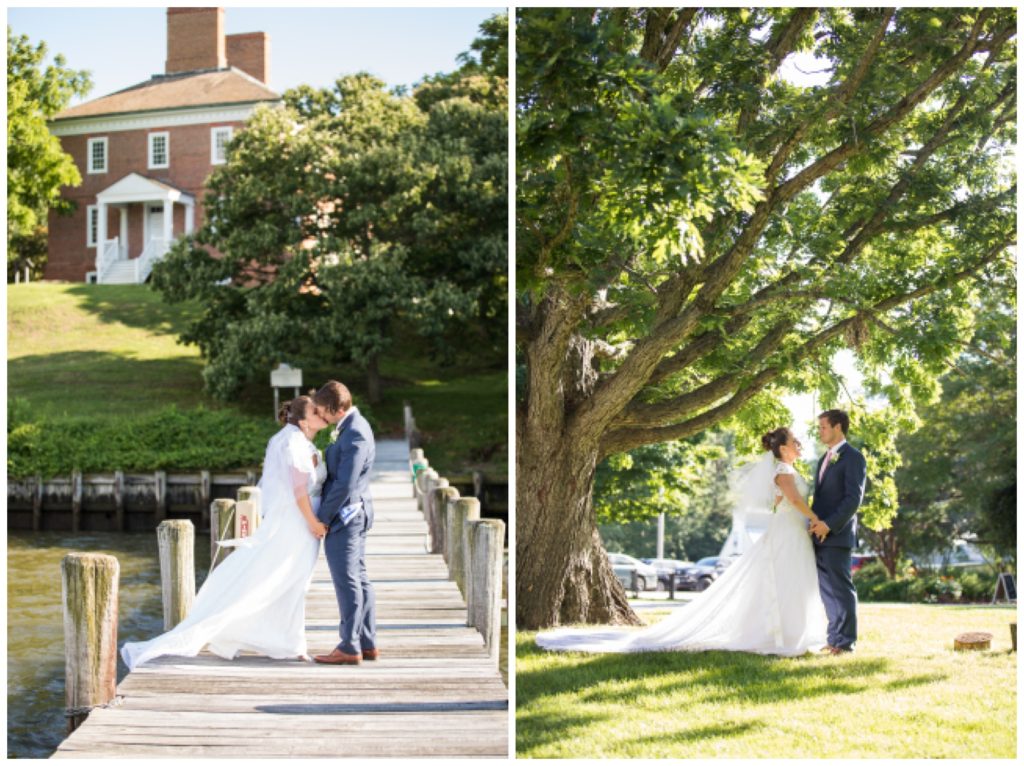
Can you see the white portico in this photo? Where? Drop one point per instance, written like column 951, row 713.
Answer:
column 114, row 263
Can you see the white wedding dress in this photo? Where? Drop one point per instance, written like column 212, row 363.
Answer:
column 255, row 599
column 766, row 602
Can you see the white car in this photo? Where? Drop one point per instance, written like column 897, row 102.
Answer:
column 624, row 566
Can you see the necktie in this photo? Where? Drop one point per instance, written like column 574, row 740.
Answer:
column 824, row 465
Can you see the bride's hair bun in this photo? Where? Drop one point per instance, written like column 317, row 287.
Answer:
column 773, row 440
column 294, row 411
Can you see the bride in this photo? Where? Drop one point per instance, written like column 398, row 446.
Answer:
column 767, row 602
column 255, row 599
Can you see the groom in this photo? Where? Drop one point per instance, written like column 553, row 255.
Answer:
column 838, row 492
column 347, row 510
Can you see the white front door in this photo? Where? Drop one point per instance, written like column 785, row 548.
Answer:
column 154, row 222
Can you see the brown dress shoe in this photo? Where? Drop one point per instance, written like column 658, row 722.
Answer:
column 338, row 657
column 371, row 654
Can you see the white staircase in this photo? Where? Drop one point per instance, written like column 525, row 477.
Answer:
column 113, row 268
column 120, row 273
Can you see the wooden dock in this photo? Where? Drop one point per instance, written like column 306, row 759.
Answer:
column 434, row 692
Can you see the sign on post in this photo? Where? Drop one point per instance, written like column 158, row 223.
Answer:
column 284, row 376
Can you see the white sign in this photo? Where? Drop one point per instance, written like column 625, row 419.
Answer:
column 285, row 377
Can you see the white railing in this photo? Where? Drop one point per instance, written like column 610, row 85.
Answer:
column 107, row 254
column 153, row 252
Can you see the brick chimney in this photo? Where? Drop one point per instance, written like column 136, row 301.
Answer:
column 195, row 39
column 250, row 52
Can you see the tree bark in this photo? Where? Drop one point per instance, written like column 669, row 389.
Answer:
column 562, row 571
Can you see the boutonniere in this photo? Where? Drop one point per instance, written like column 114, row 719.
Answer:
column 834, row 459
column 334, row 435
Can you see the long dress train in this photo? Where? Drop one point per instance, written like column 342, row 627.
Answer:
column 255, row 599
column 767, row 602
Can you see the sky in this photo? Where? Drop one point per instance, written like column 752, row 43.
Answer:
column 125, row 46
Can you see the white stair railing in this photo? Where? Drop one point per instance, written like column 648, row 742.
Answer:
column 153, row 252
column 107, row 254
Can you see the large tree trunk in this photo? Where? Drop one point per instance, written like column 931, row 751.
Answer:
column 562, row 571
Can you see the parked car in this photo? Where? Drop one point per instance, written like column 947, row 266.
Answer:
column 699, row 576
column 624, row 566
column 857, row 560
column 666, row 569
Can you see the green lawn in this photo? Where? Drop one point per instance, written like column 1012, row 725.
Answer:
column 903, row 694
column 95, row 351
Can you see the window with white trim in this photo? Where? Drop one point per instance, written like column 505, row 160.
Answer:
column 159, row 150
column 92, row 225
column 96, row 155
column 219, row 139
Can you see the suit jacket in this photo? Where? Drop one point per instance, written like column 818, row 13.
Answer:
column 349, row 464
column 838, row 496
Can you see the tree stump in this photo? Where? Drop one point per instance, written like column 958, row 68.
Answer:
column 979, row 641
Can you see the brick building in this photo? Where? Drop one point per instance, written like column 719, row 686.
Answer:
column 145, row 152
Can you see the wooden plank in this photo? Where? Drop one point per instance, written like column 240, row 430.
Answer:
column 434, row 692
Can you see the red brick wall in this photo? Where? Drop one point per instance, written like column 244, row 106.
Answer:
column 127, row 152
column 250, row 52
column 195, row 39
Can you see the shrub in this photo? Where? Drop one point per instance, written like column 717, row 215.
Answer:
column 952, row 585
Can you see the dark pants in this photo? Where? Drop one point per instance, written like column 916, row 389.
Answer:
column 345, row 550
column 838, row 594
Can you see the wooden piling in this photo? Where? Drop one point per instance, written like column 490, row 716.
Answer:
column 423, row 479
column 37, row 504
column 464, row 510
column 119, row 501
column 76, row 501
column 89, row 593
column 176, row 538
column 254, row 497
column 484, row 607
column 430, row 506
column 204, row 499
column 436, row 521
column 222, row 527
column 160, row 477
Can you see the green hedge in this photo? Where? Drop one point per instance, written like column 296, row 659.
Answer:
column 169, row 440
column 926, row 587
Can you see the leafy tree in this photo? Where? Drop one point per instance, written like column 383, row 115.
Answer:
column 349, row 210
column 688, row 483
column 697, row 234
column 37, row 167
column 958, row 479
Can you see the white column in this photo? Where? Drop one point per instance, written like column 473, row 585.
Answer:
column 123, row 236
column 190, row 217
column 101, row 226
column 168, row 222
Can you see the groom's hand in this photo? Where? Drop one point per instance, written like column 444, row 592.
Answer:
column 819, row 529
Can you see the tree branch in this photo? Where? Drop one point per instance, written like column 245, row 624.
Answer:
column 627, row 438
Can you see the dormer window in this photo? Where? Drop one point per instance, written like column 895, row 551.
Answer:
column 219, row 139
column 159, row 150
column 96, row 155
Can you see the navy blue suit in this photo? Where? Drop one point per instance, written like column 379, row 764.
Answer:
column 349, row 463
column 837, row 496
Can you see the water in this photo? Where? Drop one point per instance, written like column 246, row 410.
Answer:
column 35, row 627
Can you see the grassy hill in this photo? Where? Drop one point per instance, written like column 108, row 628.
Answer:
column 96, row 370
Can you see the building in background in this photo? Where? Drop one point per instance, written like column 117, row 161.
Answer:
column 145, row 152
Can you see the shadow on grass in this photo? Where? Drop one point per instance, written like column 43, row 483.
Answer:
column 550, row 729
column 922, row 680
column 727, row 677
column 135, row 306
column 697, row 734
